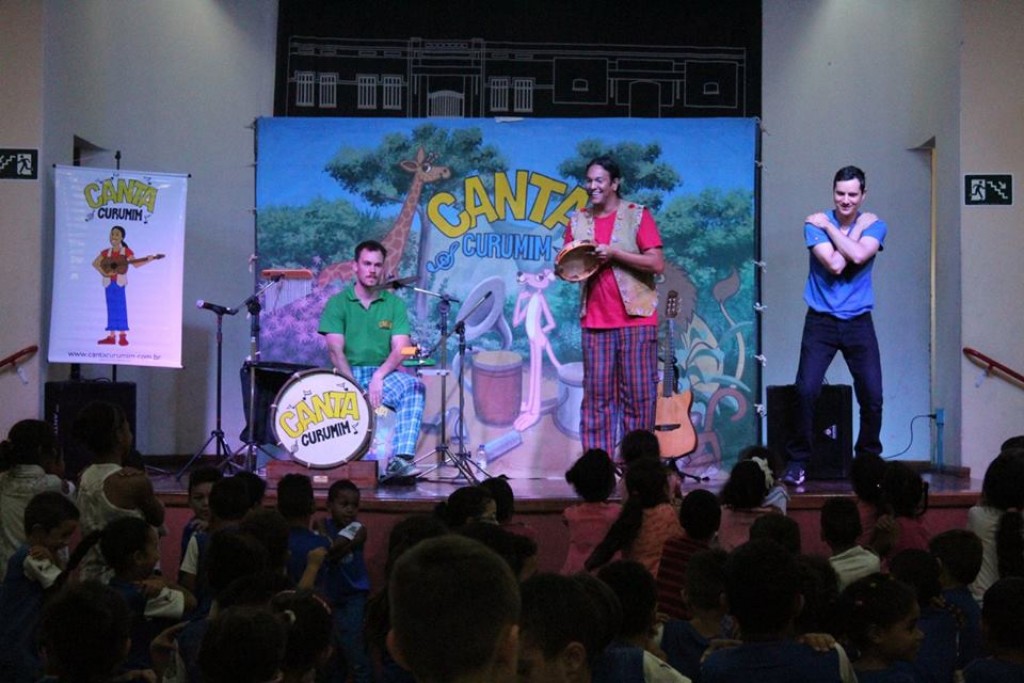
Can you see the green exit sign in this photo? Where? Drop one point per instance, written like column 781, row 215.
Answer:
column 988, row 190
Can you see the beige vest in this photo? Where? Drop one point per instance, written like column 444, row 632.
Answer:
column 635, row 287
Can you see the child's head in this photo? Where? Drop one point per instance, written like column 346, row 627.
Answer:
column 903, row 490
column 454, row 611
column 255, row 486
column 230, row 556
column 840, row 523
column 1003, row 489
column 343, row 502
column 638, row 444
column 270, row 529
column 295, row 497
column 1014, row 442
column 200, row 483
column 519, row 551
column 30, row 442
column 776, row 463
column 51, row 519
column 592, row 476
column 307, row 618
column 700, row 514
column 243, row 645
column 748, row 484
column 229, row 500
column 919, row 569
column 762, row 589
column 103, row 428
column 410, row 531
column 1002, row 616
column 819, row 586
column 131, row 547
column 559, row 630
column 467, row 504
column 879, row 615
column 959, row 553
column 85, row 631
column 866, row 475
column 647, row 483
column 638, row 594
column 705, row 582
column 504, row 499
column 780, row 528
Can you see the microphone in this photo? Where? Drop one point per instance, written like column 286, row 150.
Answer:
column 216, row 308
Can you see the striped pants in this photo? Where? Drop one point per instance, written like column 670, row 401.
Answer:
column 404, row 394
column 620, row 384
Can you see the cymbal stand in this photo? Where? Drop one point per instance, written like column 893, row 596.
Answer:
column 443, row 451
column 223, row 451
column 251, row 445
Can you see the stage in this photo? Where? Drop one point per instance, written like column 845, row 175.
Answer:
column 540, row 502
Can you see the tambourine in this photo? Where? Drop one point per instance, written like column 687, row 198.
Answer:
column 577, row 261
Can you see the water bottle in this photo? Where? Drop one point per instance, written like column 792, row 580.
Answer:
column 481, row 457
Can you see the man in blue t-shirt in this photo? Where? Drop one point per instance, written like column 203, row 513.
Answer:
column 842, row 244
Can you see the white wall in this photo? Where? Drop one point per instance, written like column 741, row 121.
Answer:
column 992, row 141
column 860, row 83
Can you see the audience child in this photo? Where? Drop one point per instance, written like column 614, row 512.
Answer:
column 840, row 529
column 699, row 515
column 505, row 506
column 30, row 449
column 307, row 619
column 306, row 548
column 404, row 536
column 741, row 497
column 33, row 571
column 1002, row 619
column 244, row 645
column 130, row 547
column 638, row 595
column 959, row 554
column 84, row 631
column 646, row 521
column 228, row 504
column 104, row 430
column 685, row 642
column 905, row 498
column 819, row 587
column 255, row 487
column 762, row 590
column 879, row 616
column 937, row 657
column 200, row 482
column 997, row 521
column 467, row 504
column 519, row 551
column 592, row 476
column 643, row 444
column 270, row 529
column 777, row 495
column 346, row 583
column 866, row 474
column 779, row 528
column 560, row 631
column 454, row 613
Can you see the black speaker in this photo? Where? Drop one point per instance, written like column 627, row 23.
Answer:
column 832, row 433
column 64, row 400
column 270, row 377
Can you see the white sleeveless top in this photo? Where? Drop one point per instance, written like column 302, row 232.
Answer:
column 96, row 512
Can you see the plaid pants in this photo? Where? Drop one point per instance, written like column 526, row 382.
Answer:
column 404, row 394
column 620, row 384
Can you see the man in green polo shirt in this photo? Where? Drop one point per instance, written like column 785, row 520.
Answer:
column 366, row 328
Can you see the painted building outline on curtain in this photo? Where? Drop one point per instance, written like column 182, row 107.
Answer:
column 475, row 206
column 119, row 239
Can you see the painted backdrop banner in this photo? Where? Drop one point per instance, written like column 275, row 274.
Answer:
column 119, row 239
column 471, row 207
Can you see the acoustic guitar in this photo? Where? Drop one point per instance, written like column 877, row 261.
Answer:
column 676, row 434
column 118, row 264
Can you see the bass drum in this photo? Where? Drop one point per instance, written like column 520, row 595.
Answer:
column 323, row 418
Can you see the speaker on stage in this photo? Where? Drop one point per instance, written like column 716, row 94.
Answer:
column 270, row 377
column 832, row 431
column 64, row 400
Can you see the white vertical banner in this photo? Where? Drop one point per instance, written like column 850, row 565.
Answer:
column 119, row 244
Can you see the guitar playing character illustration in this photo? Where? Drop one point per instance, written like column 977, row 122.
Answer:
column 118, row 264
column 112, row 265
column 676, row 434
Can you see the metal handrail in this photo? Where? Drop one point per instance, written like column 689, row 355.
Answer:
column 18, row 355
column 992, row 364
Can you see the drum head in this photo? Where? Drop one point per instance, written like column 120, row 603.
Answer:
column 577, row 261
column 323, row 418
